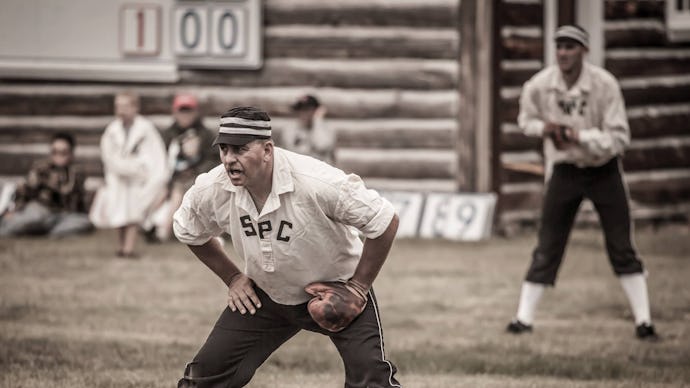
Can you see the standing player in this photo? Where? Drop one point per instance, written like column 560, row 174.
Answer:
column 578, row 109
column 295, row 221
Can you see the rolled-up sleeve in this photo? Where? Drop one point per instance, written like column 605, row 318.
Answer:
column 362, row 208
column 192, row 223
column 530, row 119
column 613, row 136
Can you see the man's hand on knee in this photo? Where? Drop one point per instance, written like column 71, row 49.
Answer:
column 241, row 295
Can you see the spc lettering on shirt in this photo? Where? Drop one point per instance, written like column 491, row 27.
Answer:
column 264, row 227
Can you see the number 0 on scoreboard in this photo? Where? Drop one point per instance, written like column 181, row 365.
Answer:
column 218, row 34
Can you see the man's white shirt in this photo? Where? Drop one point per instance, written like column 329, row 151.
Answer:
column 593, row 105
column 307, row 230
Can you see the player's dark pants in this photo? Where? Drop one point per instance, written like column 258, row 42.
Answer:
column 566, row 189
column 239, row 344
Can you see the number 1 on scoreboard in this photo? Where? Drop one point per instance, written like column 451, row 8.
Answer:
column 140, row 27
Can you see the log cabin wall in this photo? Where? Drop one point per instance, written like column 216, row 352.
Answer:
column 387, row 71
column 519, row 157
column 654, row 75
column 655, row 78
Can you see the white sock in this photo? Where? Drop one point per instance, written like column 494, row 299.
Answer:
column 529, row 299
column 635, row 287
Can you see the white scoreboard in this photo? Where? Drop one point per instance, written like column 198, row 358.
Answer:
column 125, row 40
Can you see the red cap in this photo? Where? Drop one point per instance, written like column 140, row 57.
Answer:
column 185, row 101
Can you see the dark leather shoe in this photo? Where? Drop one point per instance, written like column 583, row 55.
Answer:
column 517, row 327
column 646, row 332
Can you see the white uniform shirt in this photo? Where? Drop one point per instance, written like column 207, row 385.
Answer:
column 304, row 232
column 593, row 105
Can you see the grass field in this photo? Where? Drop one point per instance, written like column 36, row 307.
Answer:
column 72, row 315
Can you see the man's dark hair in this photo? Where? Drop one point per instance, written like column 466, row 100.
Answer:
column 306, row 102
column 66, row 137
column 248, row 113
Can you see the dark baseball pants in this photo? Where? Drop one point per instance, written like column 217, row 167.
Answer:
column 566, row 189
column 239, row 344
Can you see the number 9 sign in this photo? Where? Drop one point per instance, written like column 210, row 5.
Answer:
column 458, row 216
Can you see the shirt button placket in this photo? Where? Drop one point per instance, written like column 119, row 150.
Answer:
column 268, row 264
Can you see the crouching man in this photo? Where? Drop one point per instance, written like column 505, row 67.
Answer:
column 295, row 222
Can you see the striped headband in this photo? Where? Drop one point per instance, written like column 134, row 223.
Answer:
column 574, row 33
column 238, row 131
column 240, row 126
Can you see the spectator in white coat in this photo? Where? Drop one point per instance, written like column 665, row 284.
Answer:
column 134, row 161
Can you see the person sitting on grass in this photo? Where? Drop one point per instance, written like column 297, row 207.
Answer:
column 51, row 201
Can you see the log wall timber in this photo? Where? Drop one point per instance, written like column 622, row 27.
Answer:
column 360, row 42
column 55, row 99
column 522, row 56
column 402, row 164
column 521, row 42
column 367, row 73
column 659, row 120
column 655, row 77
column 412, row 13
column 638, row 9
column 638, row 33
column 384, row 134
column 655, row 80
column 387, row 71
column 627, row 62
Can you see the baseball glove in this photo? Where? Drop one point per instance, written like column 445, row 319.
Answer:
column 561, row 136
column 336, row 304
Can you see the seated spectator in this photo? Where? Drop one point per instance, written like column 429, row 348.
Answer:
column 133, row 156
column 190, row 153
column 51, row 201
column 309, row 135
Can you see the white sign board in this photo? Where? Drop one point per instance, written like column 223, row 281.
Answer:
column 117, row 40
column 466, row 217
column 409, row 207
column 127, row 40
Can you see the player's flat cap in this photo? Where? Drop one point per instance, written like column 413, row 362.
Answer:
column 241, row 125
column 572, row 32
